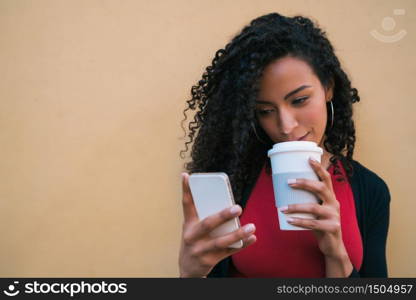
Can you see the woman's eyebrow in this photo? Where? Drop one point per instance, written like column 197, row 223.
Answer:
column 296, row 90
column 287, row 96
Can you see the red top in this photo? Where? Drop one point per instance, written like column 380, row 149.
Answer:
column 291, row 254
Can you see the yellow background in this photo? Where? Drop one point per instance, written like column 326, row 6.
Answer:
column 91, row 99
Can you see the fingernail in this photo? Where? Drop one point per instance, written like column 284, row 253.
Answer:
column 290, row 220
column 249, row 228
column 235, row 209
column 284, row 208
column 313, row 160
column 291, row 181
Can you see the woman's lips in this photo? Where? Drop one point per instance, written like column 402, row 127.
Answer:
column 303, row 138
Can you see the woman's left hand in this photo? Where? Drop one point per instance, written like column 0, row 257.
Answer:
column 327, row 225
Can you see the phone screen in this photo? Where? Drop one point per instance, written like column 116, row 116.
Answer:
column 212, row 193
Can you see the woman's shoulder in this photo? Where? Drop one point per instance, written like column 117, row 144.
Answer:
column 365, row 173
column 368, row 179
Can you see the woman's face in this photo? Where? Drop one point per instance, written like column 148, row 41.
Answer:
column 292, row 102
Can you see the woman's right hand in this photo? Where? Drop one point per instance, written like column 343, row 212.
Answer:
column 199, row 251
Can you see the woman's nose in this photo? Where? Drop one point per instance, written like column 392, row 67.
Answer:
column 287, row 122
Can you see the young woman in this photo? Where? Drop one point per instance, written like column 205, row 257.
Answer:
column 276, row 81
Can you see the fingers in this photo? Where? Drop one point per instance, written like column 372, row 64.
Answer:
column 319, row 188
column 245, row 233
column 327, row 217
column 246, row 242
column 321, row 172
column 189, row 210
column 330, row 226
column 322, row 188
column 240, row 234
column 322, row 212
column 205, row 226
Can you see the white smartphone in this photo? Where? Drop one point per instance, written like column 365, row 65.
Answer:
column 212, row 193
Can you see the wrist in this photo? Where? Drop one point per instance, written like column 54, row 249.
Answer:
column 338, row 265
column 185, row 275
column 338, row 258
column 338, row 251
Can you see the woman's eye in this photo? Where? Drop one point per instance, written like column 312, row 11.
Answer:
column 299, row 100
column 264, row 111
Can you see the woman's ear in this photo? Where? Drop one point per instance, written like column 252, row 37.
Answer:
column 329, row 90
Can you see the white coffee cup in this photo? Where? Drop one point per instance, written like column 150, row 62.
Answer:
column 289, row 160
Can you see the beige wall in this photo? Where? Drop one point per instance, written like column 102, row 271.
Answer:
column 91, row 94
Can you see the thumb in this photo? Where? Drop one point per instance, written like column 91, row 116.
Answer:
column 189, row 210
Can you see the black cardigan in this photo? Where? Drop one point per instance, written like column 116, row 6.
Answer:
column 372, row 203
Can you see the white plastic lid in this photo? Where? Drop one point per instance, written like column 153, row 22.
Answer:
column 294, row 146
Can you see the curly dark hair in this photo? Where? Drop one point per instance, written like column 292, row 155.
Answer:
column 224, row 99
